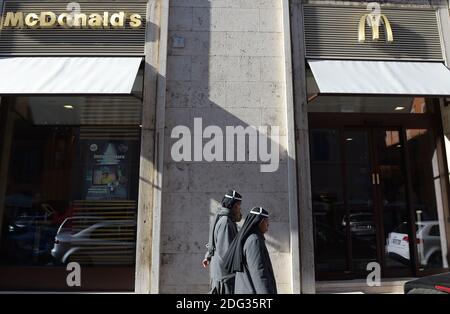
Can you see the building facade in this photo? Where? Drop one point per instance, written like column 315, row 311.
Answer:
column 123, row 123
column 375, row 196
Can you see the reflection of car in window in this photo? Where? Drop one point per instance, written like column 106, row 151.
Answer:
column 97, row 242
column 428, row 243
column 361, row 224
column 29, row 239
column 326, row 234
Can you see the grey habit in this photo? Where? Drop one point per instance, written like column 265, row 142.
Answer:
column 225, row 230
column 258, row 276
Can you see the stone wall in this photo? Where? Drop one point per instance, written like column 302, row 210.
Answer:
column 230, row 72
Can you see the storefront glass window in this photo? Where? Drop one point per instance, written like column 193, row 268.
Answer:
column 427, row 205
column 363, row 195
column 70, row 181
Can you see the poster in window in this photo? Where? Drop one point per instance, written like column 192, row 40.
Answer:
column 107, row 169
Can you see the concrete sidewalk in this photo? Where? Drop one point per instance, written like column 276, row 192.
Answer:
column 359, row 286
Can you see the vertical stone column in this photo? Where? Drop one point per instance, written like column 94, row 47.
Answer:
column 291, row 150
column 150, row 176
column 307, row 272
column 444, row 19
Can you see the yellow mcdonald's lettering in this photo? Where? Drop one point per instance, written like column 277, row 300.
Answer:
column 135, row 20
column 63, row 20
column 118, row 19
column 105, row 19
column 48, row 19
column 362, row 28
column 31, row 20
column 14, row 20
column 387, row 25
column 375, row 22
column 95, row 20
column 80, row 20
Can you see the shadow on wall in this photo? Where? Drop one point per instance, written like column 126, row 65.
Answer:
column 219, row 84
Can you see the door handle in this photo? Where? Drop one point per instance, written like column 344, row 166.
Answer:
column 378, row 178
column 373, row 179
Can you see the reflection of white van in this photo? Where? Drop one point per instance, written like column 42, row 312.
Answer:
column 428, row 243
column 104, row 242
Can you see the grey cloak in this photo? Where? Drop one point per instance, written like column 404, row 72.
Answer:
column 225, row 230
column 257, row 276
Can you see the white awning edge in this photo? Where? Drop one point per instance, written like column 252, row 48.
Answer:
column 381, row 77
column 68, row 75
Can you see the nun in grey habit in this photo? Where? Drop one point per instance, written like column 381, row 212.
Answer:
column 222, row 233
column 248, row 256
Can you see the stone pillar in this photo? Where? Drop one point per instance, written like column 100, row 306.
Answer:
column 307, row 272
column 444, row 19
column 147, row 246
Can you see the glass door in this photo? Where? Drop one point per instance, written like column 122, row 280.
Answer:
column 360, row 201
column 359, row 221
column 344, row 201
column 395, row 233
column 379, row 186
column 329, row 210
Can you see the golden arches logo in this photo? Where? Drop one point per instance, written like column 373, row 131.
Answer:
column 375, row 23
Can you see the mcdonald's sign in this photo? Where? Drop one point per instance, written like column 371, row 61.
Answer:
column 374, row 20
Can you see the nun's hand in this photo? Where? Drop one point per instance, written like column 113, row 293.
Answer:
column 205, row 263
